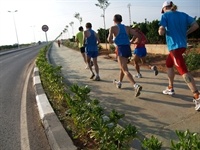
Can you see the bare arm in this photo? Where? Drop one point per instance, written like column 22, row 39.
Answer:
column 97, row 36
column 136, row 37
column 84, row 37
column 194, row 27
column 161, row 30
column 110, row 36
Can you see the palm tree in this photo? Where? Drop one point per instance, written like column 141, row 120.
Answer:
column 77, row 16
column 103, row 4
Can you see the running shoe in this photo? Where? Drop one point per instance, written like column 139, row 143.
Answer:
column 197, row 103
column 155, row 70
column 97, row 78
column 92, row 76
column 117, row 84
column 169, row 91
column 138, row 89
column 139, row 75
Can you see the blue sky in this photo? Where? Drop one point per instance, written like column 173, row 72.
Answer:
column 32, row 14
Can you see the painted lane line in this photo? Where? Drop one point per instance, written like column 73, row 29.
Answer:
column 23, row 120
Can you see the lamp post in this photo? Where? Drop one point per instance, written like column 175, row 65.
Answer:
column 129, row 11
column 15, row 25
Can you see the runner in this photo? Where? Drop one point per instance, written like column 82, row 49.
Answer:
column 121, row 34
column 140, row 52
column 91, row 42
column 80, row 41
column 175, row 25
column 58, row 43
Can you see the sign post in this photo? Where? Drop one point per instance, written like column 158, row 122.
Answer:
column 45, row 28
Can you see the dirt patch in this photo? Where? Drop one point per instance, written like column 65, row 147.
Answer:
column 155, row 59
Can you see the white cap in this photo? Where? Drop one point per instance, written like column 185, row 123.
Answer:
column 165, row 4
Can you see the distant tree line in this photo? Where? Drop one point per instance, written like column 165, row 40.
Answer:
column 150, row 29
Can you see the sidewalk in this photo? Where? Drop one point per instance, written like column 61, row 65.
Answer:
column 152, row 112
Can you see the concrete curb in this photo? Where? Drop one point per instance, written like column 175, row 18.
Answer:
column 56, row 134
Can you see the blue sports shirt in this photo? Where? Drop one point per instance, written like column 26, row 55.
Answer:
column 122, row 38
column 176, row 25
column 91, row 42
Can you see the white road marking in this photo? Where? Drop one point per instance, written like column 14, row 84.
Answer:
column 23, row 120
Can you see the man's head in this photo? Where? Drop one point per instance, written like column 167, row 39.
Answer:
column 80, row 28
column 135, row 26
column 117, row 18
column 168, row 6
column 88, row 25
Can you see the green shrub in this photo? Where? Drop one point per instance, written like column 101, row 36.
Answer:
column 187, row 141
column 151, row 144
column 192, row 60
column 112, row 48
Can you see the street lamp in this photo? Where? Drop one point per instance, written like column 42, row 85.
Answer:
column 15, row 25
column 129, row 11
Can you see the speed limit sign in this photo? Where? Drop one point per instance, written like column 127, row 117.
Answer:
column 45, row 28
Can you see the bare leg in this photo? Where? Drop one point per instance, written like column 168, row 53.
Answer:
column 190, row 82
column 123, row 65
column 143, row 59
column 96, row 67
column 136, row 62
column 84, row 58
column 121, row 75
column 171, row 75
column 89, row 64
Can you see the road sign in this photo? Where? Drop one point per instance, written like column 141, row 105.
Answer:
column 45, row 28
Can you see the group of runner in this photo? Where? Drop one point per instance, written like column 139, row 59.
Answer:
column 173, row 24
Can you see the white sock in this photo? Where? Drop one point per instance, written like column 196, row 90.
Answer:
column 135, row 85
column 152, row 68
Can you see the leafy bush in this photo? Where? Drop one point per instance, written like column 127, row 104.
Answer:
column 70, row 44
column 187, row 141
column 151, row 144
column 112, row 48
column 192, row 60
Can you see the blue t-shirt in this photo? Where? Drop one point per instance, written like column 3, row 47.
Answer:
column 91, row 42
column 122, row 38
column 176, row 25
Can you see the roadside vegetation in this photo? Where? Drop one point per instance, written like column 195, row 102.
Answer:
column 8, row 47
column 85, row 120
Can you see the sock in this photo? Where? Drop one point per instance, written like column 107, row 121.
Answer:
column 135, row 85
column 170, row 87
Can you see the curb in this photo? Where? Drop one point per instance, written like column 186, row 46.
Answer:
column 55, row 132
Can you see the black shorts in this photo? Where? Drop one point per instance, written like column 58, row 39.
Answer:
column 82, row 49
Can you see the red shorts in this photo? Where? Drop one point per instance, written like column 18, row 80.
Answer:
column 175, row 57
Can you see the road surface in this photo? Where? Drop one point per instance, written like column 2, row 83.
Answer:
column 20, row 126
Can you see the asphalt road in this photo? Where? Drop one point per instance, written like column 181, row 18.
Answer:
column 20, row 126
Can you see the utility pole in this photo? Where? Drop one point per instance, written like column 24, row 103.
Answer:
column 129, row 11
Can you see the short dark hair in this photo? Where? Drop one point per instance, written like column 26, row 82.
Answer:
column 80, row 28
column 88, row 25
column 117, row 18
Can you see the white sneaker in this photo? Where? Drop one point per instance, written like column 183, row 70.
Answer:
column 169, row 91
column 138, row 89
column 197, row 103
column 117, row 84
column 139, row 75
